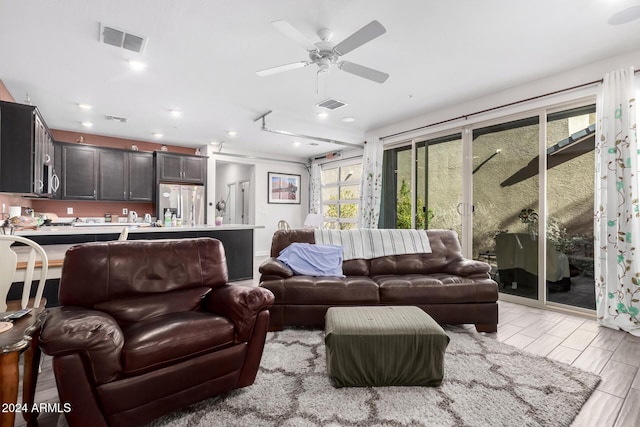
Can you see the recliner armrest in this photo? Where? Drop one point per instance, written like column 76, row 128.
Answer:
column 467, row 267
column 240, row 304
column 93, row 333
column 273, row 267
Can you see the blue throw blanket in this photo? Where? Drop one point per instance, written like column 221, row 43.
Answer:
column 366, row 243
column 313, row 260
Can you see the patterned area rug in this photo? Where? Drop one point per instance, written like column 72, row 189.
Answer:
column 486, row 383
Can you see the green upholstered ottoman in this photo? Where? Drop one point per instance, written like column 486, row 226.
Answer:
column 384, row 346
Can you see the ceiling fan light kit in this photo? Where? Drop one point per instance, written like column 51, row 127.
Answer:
column 325, row 54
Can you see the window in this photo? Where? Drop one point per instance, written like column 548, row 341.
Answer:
column 427, row 177
column 341, row 193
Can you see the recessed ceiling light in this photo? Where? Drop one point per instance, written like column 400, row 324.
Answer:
column 323, row 115
column 87, row 124
column 348, row 119
column 296, row 143
column 137, row 65
column 176, row 113
column 232, row 133
column 157, row 135
column 85, row 106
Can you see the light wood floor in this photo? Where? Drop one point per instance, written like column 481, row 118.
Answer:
column 578, row 341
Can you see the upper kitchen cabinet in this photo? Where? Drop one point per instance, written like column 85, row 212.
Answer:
column 112, row 175
column 98, row 173
column 79, row 172
column 141, row 182
column 125, row 175
column 173, row 167
column 26, row 152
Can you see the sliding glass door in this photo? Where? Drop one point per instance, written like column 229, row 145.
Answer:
column 439, row 182
column 570, row 188
column 505, row 200
column 426, row 178
column 518, row 192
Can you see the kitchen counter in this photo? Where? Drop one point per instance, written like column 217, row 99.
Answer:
column 133, row 229
column 237, row 240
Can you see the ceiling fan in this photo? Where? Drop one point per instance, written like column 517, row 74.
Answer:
column 325, row 54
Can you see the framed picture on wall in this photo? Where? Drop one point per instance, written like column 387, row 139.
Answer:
column 284, row 188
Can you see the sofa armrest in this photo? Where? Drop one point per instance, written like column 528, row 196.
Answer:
column 273, row 267
column 241, row 305
column 94, row 334
column 467, row 267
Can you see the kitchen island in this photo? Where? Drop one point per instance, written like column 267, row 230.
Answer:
column 237, row 240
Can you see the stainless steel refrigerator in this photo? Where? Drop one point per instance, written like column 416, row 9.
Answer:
column 186, row 201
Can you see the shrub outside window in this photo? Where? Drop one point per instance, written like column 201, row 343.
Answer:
column 341, row 194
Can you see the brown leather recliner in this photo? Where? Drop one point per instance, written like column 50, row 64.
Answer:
column 147, row 327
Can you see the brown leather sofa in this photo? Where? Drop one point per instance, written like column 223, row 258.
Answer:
column 450, row 288
column 147, row 327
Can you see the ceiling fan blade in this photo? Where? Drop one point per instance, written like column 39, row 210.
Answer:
column 280, row 68
column 362, row 71
column 625, row 15
column 365, row 34
column 290, row 31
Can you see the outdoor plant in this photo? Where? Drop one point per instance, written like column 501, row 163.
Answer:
column 403, row 212
column 347, row 210
column 556, row 231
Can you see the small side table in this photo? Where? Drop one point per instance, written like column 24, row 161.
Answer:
column 25, row 334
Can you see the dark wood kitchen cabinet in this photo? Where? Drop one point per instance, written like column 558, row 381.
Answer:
column 173, row 167
column 141, row 182
column 26, row 151
column 125, row 175
column 109, row 174
column 79, row 172
column 112, row 175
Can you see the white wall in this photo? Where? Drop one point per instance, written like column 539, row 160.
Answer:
column 261, row 213
column 576, row 76
column 232, row 173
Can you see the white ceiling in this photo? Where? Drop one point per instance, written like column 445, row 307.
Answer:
column 202, row 56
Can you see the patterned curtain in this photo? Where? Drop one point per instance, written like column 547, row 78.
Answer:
column 371, row 185
column 315, row 184
column 617, row 205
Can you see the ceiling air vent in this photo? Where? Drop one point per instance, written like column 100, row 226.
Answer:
column 331, row 104
column 119, row 38
column 116, row 118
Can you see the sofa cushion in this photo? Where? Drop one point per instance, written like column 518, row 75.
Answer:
column 165, row 340
column 352, row 290
column 356, row 267
column 416, row 289
column 160, row 266
column 134, row 309
column 408, row 264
